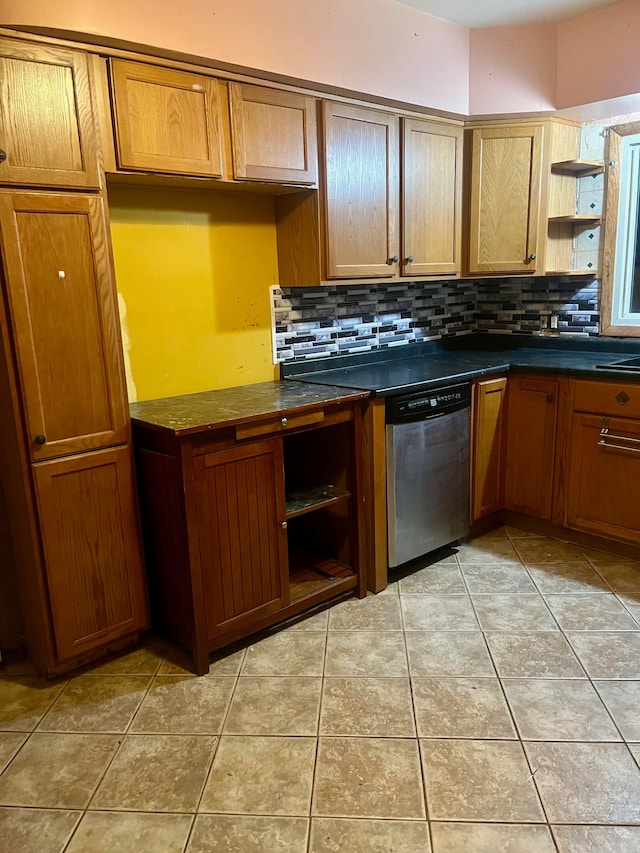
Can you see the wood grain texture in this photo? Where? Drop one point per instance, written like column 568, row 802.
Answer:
column 167, row 121
column 91, row 541
column 361, row 157
column 531, row 434
column 505, row 199
column 609, row 238
column 488, row 450
column 99, row 77
column 431, row 198
column 298, row 235
column 273, row 134
column 620, row 399
column 374, row 454
column 64, row 316
column 46, row 124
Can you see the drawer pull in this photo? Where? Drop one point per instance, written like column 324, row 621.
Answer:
column 610, row 440
column 284, row 422
column 623, row 398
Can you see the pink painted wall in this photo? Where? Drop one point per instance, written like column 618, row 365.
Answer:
column 512, row 69
column 599, row 55
column 377, row 47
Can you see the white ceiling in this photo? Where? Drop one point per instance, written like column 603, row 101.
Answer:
column 498, row 13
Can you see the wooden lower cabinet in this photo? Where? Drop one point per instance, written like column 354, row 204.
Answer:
column 487, row 475
column 531, row 444
column 92, row 549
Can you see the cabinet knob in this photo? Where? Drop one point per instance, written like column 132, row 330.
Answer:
column 40, row 439
column 549, row 398
column 393, row 260
column 3, row 155
column 410, row 259
column 284, row 421
column 532, row 256
column 284, row 525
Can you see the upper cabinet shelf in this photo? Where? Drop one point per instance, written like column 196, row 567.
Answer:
column 577, row 218
column 578, row 168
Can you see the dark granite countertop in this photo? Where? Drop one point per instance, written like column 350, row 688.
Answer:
column 228, row 406
column 424, row 367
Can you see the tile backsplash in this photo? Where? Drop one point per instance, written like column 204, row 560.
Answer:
column 323, row 321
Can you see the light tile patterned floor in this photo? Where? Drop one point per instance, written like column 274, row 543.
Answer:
column 486, row 703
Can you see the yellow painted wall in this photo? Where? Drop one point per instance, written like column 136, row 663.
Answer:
column 194, row 269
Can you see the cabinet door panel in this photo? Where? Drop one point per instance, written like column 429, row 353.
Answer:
column 604, row 479
column 240, row 507
column 505, row 199
column 531, row 430
column 431, row 198
column 489, row 411
column 361, row 183
column 46, row 123
column 167, row 121
column 65, row 321
column 95, row 575
column 273, row 134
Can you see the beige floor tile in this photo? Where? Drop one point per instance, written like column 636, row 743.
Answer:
column 497, row 579
column 546, row 709
column 461, row 708
column 622, row 698
column 131, row 832
column 513, row 613
column 316, row 622
column 597, row 839
column 24, row 700
column 271, row 705
column 586, row 782
column 363, row 653
column 566, row 578
column 10, row 743
column 261, row 775
column 96, row 703
column 286, row 653
column 145, row 660
column 367, row 707
column 547, row 551
column 516, row 533
column 461, row 653
column 36, row 830
column 631, row 601
column 329, row 835
column 488, row 838
column 488, row 550
column 608, row 655
column 178, row 662
column 438, row 613
column 156, row 773
column 57, row 770
column 606, row 558
column 373, row 613
column 443, row 579
column 177, row 704
column 545, row 655
column 248, row 834
column 621, row 577
column 479, row 780
column 368, row 777
column 391, row 588
column 590, row 613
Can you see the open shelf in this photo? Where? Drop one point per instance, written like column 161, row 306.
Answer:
column 578, row 168
column 313, row 576
column 316, row 497
column 577, row 218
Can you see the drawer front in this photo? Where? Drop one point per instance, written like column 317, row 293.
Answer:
column 607, row 398
column 282, row 423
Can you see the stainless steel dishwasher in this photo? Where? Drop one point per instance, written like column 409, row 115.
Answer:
column 427, row 470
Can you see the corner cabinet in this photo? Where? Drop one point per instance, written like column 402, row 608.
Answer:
column 247, row 525
column 488, row 448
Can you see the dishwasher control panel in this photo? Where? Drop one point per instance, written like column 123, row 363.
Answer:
column 427, row 404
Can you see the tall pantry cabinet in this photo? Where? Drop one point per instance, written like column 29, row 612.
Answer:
column 65, row 456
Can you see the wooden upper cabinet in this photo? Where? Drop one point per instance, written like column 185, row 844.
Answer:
column 47, row 130
column 505, row 188
column 64, row 315
column 167, row 121
column 361, row 158
column 431, row 198
column 273, row 135
column 93, row 552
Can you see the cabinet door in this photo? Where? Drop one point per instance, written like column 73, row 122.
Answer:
column 604, row 477
column 505, row 199
column 65, row 321
column 531, row 430
column 489, row 412
column 361, row 158
column 243, row 545
column 167, row 121
column 273, row 134
column 431, row 198
column 46, row 121
column 91, row 542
